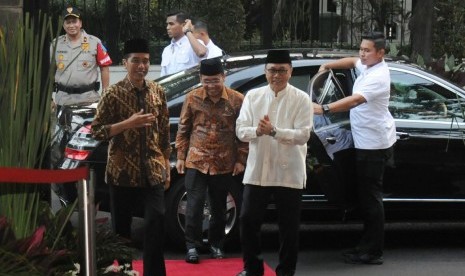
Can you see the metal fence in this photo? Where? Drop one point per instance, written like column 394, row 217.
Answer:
column 325, row 24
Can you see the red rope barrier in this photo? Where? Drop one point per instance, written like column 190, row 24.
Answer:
column 20, row 175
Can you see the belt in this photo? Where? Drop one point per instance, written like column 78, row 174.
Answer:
column 79, row 89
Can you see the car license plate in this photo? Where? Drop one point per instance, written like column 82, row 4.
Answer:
column 68, row 164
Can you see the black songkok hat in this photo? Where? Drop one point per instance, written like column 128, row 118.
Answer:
column 211, row 67
column 71, row 11
column 278, row 56
column 136, row 45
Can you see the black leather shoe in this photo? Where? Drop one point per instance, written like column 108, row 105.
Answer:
column 363, row 258
column 245, row 273
column 349, row 252
column 192, row 256
column 216, row 252
column 285, row 273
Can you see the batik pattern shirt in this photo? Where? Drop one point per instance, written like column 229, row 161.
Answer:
column 130, row 161
column 206, row 137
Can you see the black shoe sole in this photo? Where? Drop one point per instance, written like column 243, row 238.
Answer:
column 192, row 258
column 349, row 260
column 191, row 261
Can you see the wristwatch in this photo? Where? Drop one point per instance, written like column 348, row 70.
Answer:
column 325, row 108
column 273, row 132
column 186, row 31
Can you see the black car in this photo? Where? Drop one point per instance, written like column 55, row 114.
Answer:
column 427, row 180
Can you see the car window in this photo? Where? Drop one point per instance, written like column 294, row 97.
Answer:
column 326, row 88
column 180, row 83
column 299, row 79
column 417, row 98
column 302, row 75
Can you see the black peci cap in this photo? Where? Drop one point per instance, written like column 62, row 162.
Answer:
column 278, row 56
column 211, row 67
column 71, row 11
column 136, row 45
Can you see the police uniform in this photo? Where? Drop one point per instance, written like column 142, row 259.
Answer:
column 77, row 65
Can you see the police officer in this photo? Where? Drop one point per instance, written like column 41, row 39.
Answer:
column 78, row 56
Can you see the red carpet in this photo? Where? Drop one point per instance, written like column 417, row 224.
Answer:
column 208, row 267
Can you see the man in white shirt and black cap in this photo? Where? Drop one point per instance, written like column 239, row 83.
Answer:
column 276, row 121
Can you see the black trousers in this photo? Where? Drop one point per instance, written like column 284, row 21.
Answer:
column 123, row 200
column 288, row 205
column 370, row 171
column 197, row 185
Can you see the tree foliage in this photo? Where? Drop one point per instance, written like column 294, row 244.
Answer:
column 234, row 22
column 449, row 30
column 291, row 19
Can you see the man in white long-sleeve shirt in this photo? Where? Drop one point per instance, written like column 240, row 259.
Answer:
column 276, row 121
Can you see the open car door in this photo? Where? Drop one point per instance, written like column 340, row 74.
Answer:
column 331, row 143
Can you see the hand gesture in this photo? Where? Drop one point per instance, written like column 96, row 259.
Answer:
column 187, row 25
column 140, row 119
column 264, row 126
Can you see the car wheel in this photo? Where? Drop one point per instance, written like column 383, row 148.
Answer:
column 66, row 192
column 176, row 212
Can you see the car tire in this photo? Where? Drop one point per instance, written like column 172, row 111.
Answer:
column 176, row 208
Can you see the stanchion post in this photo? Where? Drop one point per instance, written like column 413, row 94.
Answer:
column 87, row 225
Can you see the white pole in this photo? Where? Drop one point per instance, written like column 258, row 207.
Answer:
column 87, row 224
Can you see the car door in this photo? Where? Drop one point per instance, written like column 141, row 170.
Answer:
column 430, row 149
column 331, row 146
column 429, row 155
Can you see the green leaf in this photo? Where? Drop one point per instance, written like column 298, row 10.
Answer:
column 25, row 93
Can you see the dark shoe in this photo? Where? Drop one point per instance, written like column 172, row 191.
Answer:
column 363, row 258
column 245, row 273
column 349, row 252
column 192, row 256
column 216, row 252
column 285, row 273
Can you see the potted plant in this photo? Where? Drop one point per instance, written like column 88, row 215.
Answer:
column 33, row 239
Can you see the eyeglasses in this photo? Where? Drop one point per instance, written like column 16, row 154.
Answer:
column 276, row 71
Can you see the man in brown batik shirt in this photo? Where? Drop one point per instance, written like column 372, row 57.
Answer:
column 132, row 114
column 210, row 155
